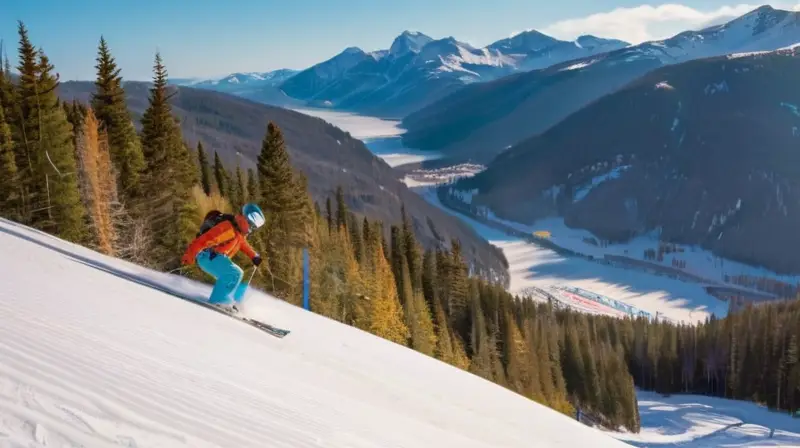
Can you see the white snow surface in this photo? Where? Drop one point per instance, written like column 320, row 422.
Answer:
column 381, row 135
column 761, row 30
column 93, row 359
column 700, row 421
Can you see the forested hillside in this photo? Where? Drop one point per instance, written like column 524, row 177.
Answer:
column 232, row 128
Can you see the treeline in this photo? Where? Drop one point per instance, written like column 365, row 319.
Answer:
column 83, row 172
column 749, row 355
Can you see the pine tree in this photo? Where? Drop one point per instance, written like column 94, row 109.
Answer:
column 111, row 111
column 357, row 239
column 412, row 251
column 424, row 338
column 285, row 200
column 205, row 169
column 341, row 208
column 456, row 297
column 253, row 190
column 429, row 279
column 10, row 191
column 238, row 189
column 480, row 345
column 329, row 214
column 48, row 172
column 8, row 99
column 220, row 176
column 386, row 313
column 169, row 175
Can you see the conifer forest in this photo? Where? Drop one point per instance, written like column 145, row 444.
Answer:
column 85, row 173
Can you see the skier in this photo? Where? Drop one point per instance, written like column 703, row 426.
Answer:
column 220, row 239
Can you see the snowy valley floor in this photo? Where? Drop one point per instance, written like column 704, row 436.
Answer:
column 698, row 421
column 91, row 357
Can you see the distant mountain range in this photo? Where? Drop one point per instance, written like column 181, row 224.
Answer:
column 415, row 71
column 707, row 152
column 262, row 87
column 482, row 120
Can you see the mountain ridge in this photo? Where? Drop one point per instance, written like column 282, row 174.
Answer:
column 703, row 151
column 483, row 120
column 415, row 70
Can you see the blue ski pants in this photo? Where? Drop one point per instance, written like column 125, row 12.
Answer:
column 228, row 277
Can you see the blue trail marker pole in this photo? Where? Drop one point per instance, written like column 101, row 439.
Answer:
column 306, row 284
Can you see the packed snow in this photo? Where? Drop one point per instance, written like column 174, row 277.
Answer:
column 700, row 421
column 93, row 356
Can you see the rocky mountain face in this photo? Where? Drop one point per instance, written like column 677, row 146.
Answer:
column 482, row 120
column 329, row 157
column 706, row 151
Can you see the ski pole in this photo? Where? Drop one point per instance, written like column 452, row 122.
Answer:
column 178, row 269
column 252, row 274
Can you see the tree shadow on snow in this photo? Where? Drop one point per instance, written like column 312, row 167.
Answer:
column 667, row 419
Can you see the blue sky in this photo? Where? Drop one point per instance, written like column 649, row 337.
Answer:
column 209, row 38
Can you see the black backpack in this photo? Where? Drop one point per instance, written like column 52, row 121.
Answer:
column 215, row 217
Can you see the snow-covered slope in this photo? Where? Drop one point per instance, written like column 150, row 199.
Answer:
column 762, row 29
column 89, row 357
column 417, row 69
column 693, row 421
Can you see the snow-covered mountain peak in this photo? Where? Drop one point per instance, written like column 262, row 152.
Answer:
column 409, row 41
column 762, row 29
column 588, row 41
column 351, row 50
column 524, row 42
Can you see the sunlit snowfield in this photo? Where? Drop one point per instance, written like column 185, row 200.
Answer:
column 94, row 356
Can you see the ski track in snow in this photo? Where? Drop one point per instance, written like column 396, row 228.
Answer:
column 89, row 358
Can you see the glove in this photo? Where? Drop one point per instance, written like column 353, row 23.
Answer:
column 257, row 260
column 186, row 259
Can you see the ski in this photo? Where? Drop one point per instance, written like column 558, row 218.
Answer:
column 263, row 326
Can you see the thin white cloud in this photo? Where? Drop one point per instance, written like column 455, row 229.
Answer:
column 642, row 23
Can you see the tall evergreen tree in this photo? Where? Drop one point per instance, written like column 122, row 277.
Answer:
column 169, row 174
column 48, row 172
column 412, row 251
column 111, row 110
column 205, row 169
column 220, row 176
column 329, row 214
column 285, row 200
column 10, row 191
column 253, row 190
column 341, row 208
column 238, row 189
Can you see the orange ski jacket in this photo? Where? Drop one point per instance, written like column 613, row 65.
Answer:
column 223, row 239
